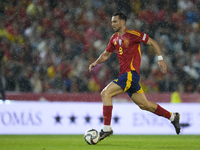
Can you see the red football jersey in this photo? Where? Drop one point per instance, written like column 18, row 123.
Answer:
column 128, row 49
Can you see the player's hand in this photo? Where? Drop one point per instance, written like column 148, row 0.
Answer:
column 92, row 66
column 161, row 63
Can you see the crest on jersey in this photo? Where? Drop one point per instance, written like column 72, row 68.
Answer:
column 126, row 42
column 115, row 43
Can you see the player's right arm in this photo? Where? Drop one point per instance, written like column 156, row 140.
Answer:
column 103, row 57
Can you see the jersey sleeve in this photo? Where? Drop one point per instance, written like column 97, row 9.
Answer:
column 144, row 37
column 141, row 37
column 111, row 47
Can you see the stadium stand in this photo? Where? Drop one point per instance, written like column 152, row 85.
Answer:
column 47, row 46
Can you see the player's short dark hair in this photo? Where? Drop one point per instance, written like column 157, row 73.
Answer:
column 121, row 16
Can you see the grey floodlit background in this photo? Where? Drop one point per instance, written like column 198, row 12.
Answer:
column 47, row 45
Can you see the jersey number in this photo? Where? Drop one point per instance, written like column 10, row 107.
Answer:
column 120, row 50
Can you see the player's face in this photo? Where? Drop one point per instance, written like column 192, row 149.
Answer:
column 116, row 23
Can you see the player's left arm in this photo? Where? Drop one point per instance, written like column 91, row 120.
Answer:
column 156, row 47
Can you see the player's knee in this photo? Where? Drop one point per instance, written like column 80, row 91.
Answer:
column 144, row 107
column 103, row 93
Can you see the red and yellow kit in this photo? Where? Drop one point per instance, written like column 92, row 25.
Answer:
column 128, row 47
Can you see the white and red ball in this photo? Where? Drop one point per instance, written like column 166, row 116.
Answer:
column 92, row 136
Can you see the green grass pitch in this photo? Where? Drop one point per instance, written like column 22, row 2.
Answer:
column 115, row 142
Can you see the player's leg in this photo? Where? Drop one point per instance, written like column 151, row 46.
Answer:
column 107, row 93
column 111, row 90
column 141, row 100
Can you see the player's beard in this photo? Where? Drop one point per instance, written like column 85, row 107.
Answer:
column 117, row 29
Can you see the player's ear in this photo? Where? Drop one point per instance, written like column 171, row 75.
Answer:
column 123, row 22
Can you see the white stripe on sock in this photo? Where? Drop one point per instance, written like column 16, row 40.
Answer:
column 106, row 128
column 172, row 117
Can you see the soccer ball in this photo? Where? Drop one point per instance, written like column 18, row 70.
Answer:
column 92, row 136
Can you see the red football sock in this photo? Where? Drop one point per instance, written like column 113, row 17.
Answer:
column 107, row 114
column 162, row 112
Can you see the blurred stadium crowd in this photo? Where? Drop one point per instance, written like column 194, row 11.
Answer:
column 47, row 45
